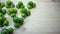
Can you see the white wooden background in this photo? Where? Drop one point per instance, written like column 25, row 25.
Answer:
column 44, row 19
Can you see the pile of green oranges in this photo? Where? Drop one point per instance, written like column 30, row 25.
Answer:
column 12, row 11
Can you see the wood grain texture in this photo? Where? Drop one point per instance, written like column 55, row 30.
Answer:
column 44, row 19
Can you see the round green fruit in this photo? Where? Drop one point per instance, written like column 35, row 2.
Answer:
column 28, row 13
column 2, row 4
column 10, row 30
column 30, row 3
column 4, row 17
column 1, row 18
column 7, row 6
column 21, row 20
column 12, row 10
column 22, row 6
column 23, row 15
column 16, row 25
column 34, row 5
column 12, row 6
column 8, row 2
column 5, row 23
column 16, row 19
column 29, row 7
column 4, row 31
column 23, row 10
column 4, row 11
column 1, row 14
column 8, row 13
column 1, row 24
column 20, row 3
column 17, row 6
column 13, row 14
column 0, row 10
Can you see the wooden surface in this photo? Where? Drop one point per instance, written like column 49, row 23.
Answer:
column 44, row 19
